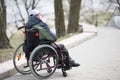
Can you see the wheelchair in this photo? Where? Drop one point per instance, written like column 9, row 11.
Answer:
column 44, row 59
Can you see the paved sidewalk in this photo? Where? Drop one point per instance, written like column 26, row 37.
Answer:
column 7, row 68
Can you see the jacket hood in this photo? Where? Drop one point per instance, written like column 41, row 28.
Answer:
column 32, row 21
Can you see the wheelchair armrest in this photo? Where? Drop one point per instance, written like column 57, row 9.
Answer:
column 21, row 27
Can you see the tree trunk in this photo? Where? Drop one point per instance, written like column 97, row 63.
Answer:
column 118, row 2
column 59, row 18
column 73, row 25
column 4, row 41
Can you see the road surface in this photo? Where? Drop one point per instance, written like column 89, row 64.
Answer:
column 99, row 58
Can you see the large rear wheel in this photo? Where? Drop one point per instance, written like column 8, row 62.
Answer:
column 46, row 59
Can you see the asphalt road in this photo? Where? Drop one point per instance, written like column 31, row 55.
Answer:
column 99, row 58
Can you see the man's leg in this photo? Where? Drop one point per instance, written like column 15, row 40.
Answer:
column 27, row 48
column 72, row 62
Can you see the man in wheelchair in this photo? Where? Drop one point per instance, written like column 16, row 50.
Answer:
column 44, row 34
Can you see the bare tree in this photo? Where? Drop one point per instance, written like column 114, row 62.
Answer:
column 74, row 16
column 4, row 41
column 29, row 4
column 59, row 18
column 118, row 2
column 92, row 19
column 20, row 13
column 91, row 15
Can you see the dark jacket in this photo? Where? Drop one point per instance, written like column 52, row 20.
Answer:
column 33, row 21
column 31, row 41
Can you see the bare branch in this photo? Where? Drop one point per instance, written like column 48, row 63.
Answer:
column 118, row 2
column 37, row 3
column 27, row 6
column 15, row 16
column 33, row 3
column 20, row 13
column 89, row 21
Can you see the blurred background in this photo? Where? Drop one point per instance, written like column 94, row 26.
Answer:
column 95, row 12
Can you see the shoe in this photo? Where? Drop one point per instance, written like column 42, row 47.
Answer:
column 26, row 65
column 73, row 64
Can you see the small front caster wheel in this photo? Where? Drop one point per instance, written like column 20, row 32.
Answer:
column 64, row 74
column 49, row 70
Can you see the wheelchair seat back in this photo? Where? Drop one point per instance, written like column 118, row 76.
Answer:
column 31, row 35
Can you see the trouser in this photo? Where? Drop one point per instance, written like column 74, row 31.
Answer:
column 28, row 48
column 66, row 58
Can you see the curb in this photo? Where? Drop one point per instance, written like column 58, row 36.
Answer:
column 7, row 74
column 69, row 43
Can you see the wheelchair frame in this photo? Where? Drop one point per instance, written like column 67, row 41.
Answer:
column 59, row 57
